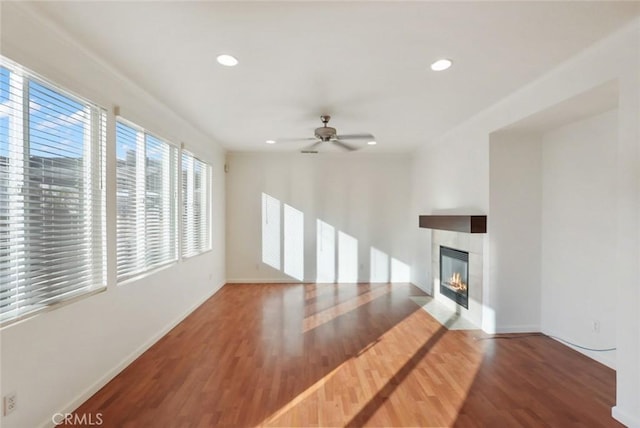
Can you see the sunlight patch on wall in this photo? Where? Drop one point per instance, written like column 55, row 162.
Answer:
column 293, row 242
column 326, row 252
column 379, row 266
column 270, row 231
column 347, row 258
column 400, row 272
column 337, row 253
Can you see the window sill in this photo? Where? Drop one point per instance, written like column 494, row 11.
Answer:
column 146, row 273
column 25, row 317
column 196, row 255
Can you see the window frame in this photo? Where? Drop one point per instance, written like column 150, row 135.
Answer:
column 92, row 201
column 186, row 253
column 174, row 202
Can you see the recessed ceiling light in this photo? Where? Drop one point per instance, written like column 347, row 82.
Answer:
column 441, row 64
column 270, row 142
column 227, row 60
column 372, row 143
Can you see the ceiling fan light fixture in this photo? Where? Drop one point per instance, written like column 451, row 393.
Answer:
column 441, row 64
column 270, row 141
column 327, row 136
column 227, row 60
column 371, row 143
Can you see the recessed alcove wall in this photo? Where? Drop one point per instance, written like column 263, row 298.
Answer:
column 514, row 231
column 552, row 248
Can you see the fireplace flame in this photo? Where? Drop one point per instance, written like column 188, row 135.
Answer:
column 456, row 283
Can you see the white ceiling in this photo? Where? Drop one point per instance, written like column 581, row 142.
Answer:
column 365, row 63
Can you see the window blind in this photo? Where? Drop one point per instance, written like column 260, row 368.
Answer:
column 146, row 200
column 52, row 199
column 195, row 207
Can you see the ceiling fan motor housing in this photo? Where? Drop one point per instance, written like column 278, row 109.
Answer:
column 325, row 133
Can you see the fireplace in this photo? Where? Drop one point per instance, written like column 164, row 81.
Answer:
column 454, row 275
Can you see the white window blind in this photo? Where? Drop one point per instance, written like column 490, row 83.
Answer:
column 52, row 199
column 195, row 207
column 146, row 187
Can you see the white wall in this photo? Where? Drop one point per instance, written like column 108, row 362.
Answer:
column 514, row 225
column 551, row 192
column 57, row 359
column 448, row 177
column 579, row 235
column 615, row 58
column 362, row 195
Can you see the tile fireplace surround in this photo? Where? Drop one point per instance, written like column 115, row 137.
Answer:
column 474, row 245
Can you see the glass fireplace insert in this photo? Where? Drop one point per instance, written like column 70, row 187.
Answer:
column 454, row 275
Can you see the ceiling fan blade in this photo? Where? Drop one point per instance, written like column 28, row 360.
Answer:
column 356, row 137
column 294, row 140
column 311, row 148
column 344, row 145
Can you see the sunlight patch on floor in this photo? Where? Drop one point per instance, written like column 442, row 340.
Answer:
column 443, row 314
column 291, row 405
column 381, row 383
column 333, row 312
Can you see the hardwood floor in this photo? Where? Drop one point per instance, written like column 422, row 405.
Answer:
column 348, row 355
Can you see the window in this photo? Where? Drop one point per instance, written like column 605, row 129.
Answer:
column 195, row 207
column 52, row 199
column 146, row 188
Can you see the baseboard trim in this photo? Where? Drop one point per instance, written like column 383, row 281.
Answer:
column 307, row 281
column 425, row 289
column 267, row 281
column 625, row 417
column 97, row 385
column 600, row 357
column 530, row 328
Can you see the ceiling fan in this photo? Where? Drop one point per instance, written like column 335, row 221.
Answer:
column 328, row 135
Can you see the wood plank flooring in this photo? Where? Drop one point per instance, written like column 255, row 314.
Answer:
column 332, row 355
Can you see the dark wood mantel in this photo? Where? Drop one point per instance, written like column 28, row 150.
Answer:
column 455, row 223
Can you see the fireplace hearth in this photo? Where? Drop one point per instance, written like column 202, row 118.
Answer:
column 454, row 275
